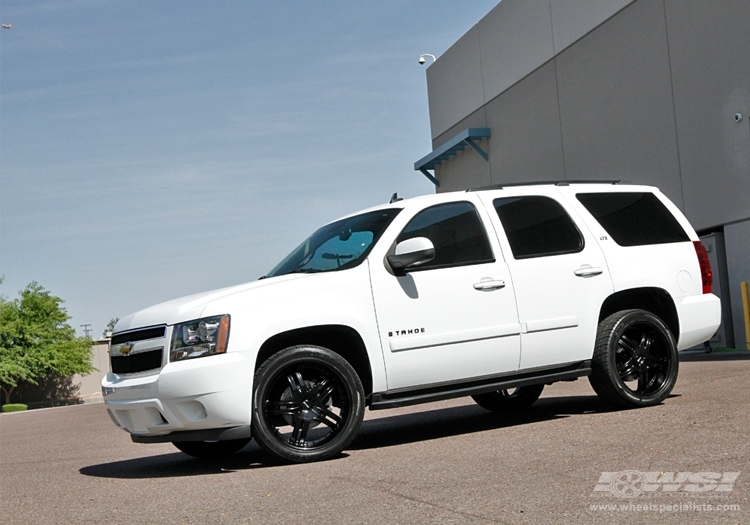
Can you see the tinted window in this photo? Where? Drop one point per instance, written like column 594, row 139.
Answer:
column 456, row 232
column 633, row 219
column 537, row 226
column 337, row 246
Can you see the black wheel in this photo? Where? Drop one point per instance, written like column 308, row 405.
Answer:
column 308, row 404
column 210, row 449
column 635, row 360
column 509, row 400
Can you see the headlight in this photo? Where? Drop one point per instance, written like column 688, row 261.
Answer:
column 199, row 338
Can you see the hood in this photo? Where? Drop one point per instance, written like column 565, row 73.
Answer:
column 192, row 306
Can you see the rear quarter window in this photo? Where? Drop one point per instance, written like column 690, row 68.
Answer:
column 634, row 219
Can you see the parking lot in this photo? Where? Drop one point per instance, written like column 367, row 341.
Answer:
column 568, row 459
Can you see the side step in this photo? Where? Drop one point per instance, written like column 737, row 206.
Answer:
column 426, row 395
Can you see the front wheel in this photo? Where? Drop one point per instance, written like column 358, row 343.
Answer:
column 635, row 360
column 308, row 404
column 210, row 449
column 509, row 400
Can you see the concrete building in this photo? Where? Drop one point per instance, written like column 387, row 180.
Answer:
column 647, row 91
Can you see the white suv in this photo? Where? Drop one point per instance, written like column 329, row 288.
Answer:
column 490, row 293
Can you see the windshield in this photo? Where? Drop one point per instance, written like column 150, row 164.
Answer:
column 337, row 246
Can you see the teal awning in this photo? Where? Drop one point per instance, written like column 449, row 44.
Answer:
column 452, row 147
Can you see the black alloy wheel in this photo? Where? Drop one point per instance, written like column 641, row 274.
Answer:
column 635, row 361
column 308, row 404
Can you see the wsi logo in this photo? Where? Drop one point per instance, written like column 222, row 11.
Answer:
column 631, row 483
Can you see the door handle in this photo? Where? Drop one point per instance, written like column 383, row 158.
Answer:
column 588, row 271
column 489, row 284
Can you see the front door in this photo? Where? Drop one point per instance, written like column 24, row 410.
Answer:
column 455, row 317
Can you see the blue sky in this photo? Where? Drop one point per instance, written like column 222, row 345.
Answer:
column 150, row 150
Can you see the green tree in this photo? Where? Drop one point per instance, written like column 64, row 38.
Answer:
column 110, row 327
column 36, row 340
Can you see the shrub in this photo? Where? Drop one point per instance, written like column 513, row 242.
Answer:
column 14, row 407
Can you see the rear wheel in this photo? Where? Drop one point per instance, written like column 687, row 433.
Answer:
column 509, row 400
column 308, row 404
column 635, row 360
column 210, row 449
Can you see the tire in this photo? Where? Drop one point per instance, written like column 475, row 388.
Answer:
column 210, row 449
column 509, row 400
column 635, row 360
column 308, row 404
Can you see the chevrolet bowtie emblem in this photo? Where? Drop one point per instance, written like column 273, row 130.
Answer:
column 125, row 348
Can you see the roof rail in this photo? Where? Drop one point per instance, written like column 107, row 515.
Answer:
column 547, row 182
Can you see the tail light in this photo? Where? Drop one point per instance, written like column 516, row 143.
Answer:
column 706, row 274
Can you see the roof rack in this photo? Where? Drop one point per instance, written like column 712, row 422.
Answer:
column 547, row 182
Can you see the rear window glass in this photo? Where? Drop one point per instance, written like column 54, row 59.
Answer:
column 634, row 219
column 537, row 227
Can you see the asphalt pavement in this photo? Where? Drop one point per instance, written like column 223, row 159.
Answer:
column 568, row 459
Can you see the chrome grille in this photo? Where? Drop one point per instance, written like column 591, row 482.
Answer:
column 127, row 352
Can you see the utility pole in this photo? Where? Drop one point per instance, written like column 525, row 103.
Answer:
column 86, row 329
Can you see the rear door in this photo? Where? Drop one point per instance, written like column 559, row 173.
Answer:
column 559, row 272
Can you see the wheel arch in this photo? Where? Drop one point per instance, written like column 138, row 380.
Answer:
column 655, row 300
column 341, row 339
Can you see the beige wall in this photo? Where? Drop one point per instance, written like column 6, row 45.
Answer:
column 91, row 385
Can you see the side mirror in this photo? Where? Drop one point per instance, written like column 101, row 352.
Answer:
column 411, row 253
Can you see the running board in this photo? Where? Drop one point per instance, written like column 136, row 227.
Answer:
column 414, row 397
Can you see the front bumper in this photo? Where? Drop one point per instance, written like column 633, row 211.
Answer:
column 209, row 394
